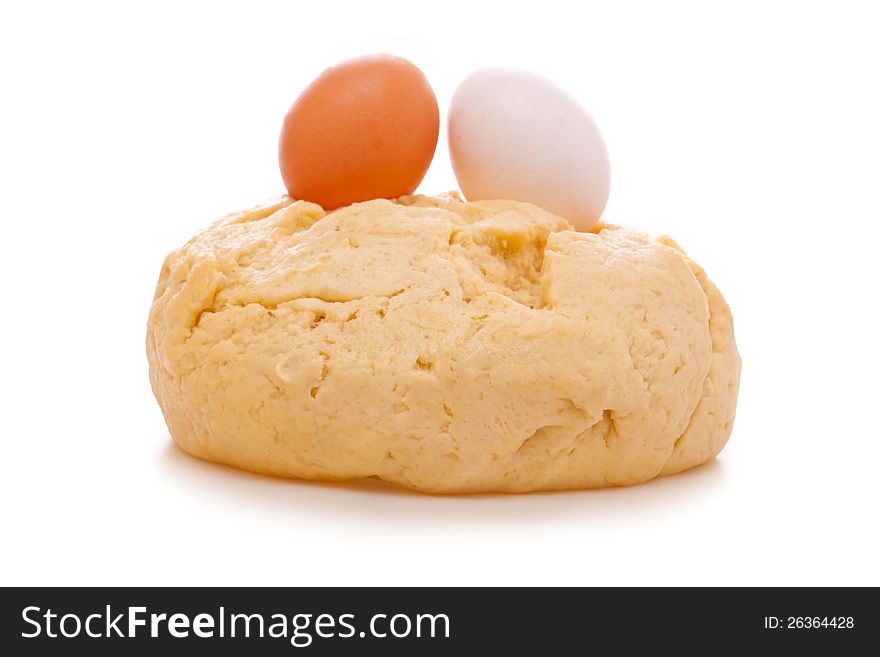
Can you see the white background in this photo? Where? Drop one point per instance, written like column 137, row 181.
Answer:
column 748, row 132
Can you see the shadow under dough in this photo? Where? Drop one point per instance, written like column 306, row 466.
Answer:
column 377, row 502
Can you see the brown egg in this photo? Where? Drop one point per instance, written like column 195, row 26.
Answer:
column 366, row 128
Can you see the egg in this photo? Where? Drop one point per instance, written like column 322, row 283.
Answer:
column 364, row 129
column 516, row 135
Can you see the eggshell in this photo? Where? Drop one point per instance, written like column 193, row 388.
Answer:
column 516, row 135
column 366, row 128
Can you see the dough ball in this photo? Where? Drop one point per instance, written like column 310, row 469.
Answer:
column 446, row 346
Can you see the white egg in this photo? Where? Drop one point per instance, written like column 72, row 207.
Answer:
column 515, row 135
